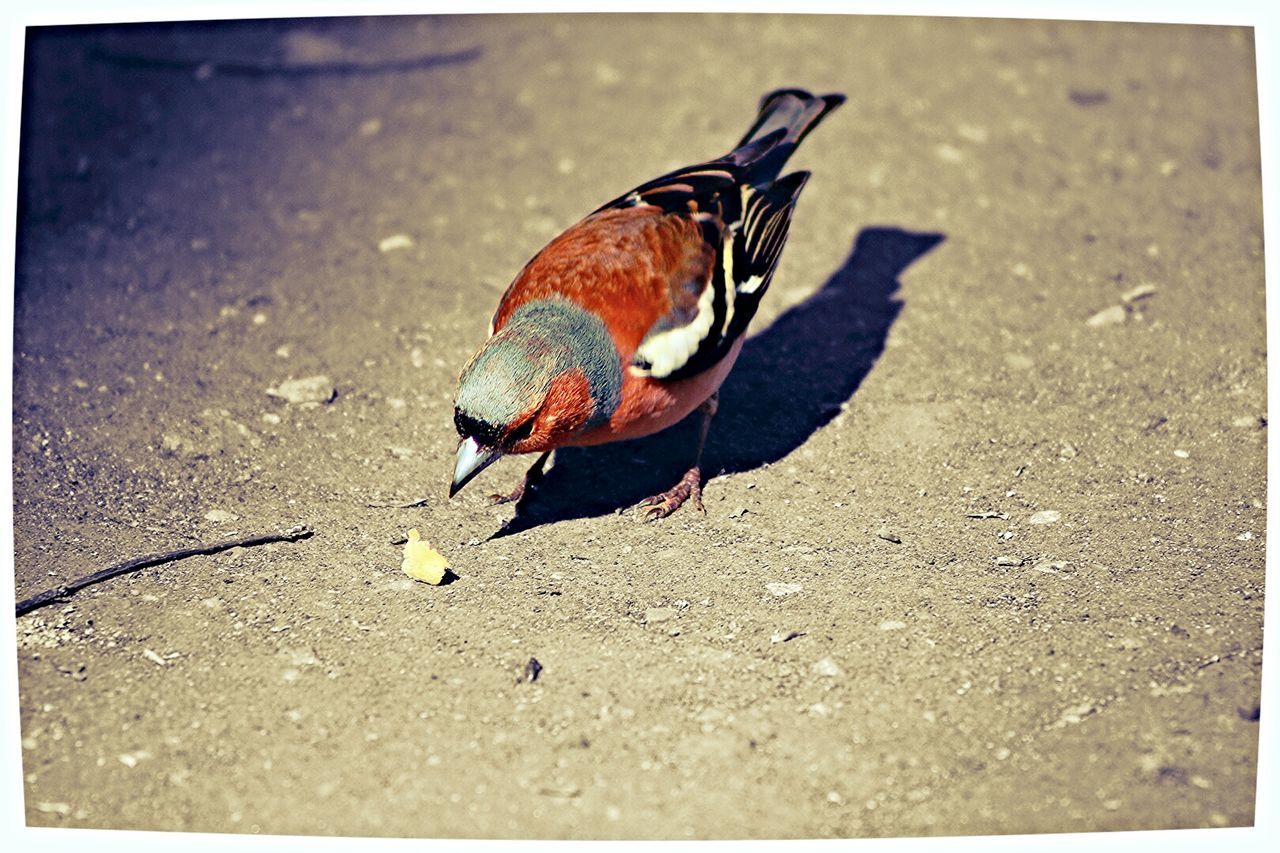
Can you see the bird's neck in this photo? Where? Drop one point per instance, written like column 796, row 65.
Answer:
column 568, row 339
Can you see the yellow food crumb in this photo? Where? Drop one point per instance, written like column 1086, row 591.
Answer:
column 421, row 561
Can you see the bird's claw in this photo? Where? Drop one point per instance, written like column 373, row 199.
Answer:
column 660, row 506
column 518, row 494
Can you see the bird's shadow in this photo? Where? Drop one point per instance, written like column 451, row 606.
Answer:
column 790, row 380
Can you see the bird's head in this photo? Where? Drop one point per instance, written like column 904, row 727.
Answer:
column 549, row 373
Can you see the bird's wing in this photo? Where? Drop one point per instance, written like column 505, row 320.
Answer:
column 743, row 228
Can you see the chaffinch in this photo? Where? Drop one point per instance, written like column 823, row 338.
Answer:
column 632, row 318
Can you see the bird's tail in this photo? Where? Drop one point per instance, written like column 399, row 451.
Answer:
column 785, row 119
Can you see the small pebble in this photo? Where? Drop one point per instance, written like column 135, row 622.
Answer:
column 1142, row 291
column 783, row 589
column 312, row 389
column 827, row 668
column 1108, row 316
column 660, row 614
column 131, row 759
column 1045, row 516
column 394, row 242
column 892, row 625
column 220, row 516
column 1181, row 454
column 889, row 536
column 1012, row 562
column 532, row 670
column 1018, row 361
column 62, row 809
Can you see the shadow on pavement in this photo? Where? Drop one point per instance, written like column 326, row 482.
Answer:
column 789, row 382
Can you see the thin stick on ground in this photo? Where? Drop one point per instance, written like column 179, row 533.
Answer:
column 293, row 534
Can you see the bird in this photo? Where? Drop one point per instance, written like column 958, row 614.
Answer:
column 631, row 319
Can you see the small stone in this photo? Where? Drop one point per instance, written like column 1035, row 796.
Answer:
column 560, row 791
column 1108, row 316
column 1142, row 291
column 607, row 75
column 401, row 452
column 1045, row 516
column 131, row 759
column 394, row 242
column 948, row 153
column 660, row 614
column 783, row 589
column 1181, row 454
column 1245, row 537
column 271, row 418
column 312, row 389
column 59, row 808
column 1249, row 422
column 889, row 536
column 1018, row 361
column 1068, row 451
column 1088, row 97
column 531, row 671
column 892, row 625
column 827, row 668
column 1076, row 714
column 1011, row 562
column 220, row 516
column 154, row 658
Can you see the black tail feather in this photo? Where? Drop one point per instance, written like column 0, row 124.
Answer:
column 794, row 111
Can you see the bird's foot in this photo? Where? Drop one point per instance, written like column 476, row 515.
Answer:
column 527, row 486
column 517, row 494
column 660, row 506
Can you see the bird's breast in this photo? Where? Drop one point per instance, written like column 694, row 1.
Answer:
column 651, row 405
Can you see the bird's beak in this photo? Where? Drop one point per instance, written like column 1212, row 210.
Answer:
column 472, row 459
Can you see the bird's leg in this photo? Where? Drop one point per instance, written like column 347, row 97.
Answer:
column 690, row 485
column 530, row 482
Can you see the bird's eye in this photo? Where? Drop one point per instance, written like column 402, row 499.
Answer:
column 520, row 432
